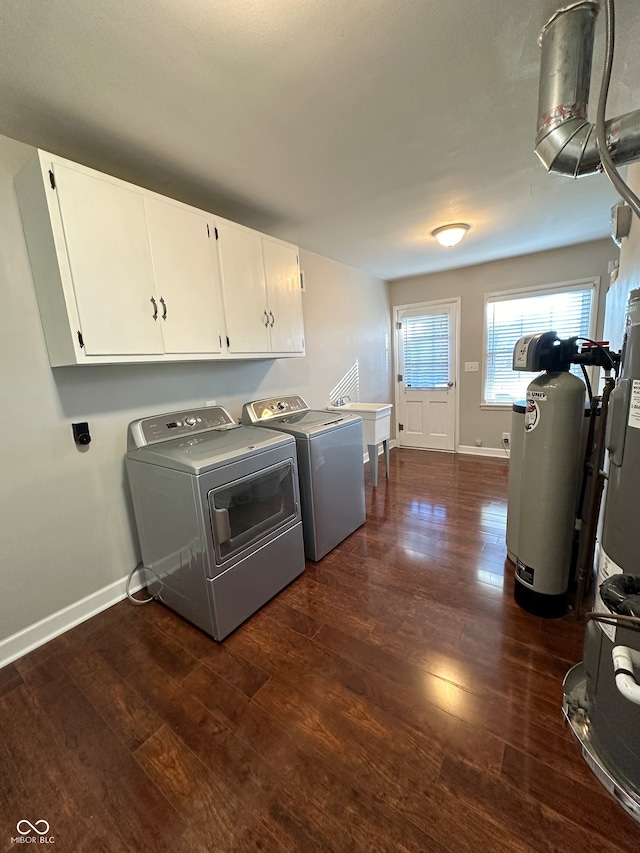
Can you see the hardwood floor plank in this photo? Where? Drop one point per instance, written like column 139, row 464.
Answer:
column 303, row 623
column 325, row 607
column 15, row 800
column 98, row 763
column 311, row 767
column 375, row 751
column 296, row 661
column 583, row 804
column 203, row 799
column 139, row 641
column 10, row 678
column 128, row 716
column 521, row 655
column 43, row 654
column 200, row 646
column 44, row 786
column 528, row 821
column 243, row 770
column 392, row 698
column 293, row 820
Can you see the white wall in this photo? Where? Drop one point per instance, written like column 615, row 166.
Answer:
column 586, row 260
column 67, row 529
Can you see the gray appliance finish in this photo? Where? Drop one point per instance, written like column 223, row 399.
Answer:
column 217, row 507
column 330, row 465
column 604, row 716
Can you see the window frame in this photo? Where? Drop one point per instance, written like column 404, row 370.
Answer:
column 587, row 283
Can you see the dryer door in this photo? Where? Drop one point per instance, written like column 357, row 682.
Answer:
column 249, row 509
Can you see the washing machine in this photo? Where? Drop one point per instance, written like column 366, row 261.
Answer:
column 217, row 507
column 330, row 464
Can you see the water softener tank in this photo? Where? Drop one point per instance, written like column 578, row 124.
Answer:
column 515, row 478
column 550, row 481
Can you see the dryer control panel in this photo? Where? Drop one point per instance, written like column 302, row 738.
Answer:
column 273, row 407
column 178, row 424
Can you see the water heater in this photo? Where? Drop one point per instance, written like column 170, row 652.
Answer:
column 602, row 694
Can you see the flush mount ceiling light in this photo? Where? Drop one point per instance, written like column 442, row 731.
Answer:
column 450, row 235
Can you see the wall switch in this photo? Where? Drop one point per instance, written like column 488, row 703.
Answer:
column 471, row 366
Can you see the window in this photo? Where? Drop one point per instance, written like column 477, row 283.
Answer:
column 426, row 350
column 565, row 309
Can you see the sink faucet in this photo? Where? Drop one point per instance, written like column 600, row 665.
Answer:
column 342, row 401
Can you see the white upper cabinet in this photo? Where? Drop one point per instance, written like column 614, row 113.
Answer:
column 183, row 265
column 261, row 292
column 109, row 259
column 126, row 275
column 243, row 288
column 282, row 272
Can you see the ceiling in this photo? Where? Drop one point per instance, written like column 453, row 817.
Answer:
column 350, row 127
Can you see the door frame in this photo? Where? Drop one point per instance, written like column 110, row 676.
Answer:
column 456, row 302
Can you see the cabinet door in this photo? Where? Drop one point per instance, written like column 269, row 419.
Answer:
column 285, row 297
column 110, row 262
column 243, row 288
column 183, row 264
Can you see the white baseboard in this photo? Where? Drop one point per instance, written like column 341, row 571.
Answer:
column 497, row 452
column 469, row 450
column 30, row 638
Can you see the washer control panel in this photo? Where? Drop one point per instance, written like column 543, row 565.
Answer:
column 263, row 410
column 178, row 424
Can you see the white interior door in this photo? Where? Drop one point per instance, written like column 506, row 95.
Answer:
column 426, row 355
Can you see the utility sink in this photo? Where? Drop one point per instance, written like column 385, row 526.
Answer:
column 376, row 429
column 379, row 409
column 376, row 419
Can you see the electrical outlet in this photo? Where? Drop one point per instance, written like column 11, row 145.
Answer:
column 478, row 442
column 210, row 403
column 506, row 439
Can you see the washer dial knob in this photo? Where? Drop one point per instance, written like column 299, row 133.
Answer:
column 190, row 421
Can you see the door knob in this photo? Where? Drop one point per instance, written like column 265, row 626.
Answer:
column 450, row 384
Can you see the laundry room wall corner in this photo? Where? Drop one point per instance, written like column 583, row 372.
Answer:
column 68, row 538
column 66, row 535
column 348, row 322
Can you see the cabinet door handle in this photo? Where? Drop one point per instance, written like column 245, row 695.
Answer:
column 155, row 308
column 266, row 320
column 164, row 308
column 273, row 319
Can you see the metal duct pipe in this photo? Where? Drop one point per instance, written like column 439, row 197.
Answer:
column 566, row 140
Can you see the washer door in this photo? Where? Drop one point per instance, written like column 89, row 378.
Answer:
column 249, row 509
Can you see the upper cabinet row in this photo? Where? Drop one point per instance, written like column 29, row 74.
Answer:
column 126, row 275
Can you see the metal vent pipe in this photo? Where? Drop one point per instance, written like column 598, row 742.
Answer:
column 565, row 139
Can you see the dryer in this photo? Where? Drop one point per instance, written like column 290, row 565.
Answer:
column 330, row 464
column 217, row 507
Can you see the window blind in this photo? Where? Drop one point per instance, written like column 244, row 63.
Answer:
column 426, row 351
column 566, row 312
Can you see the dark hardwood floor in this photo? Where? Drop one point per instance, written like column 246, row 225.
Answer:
column 393, row 698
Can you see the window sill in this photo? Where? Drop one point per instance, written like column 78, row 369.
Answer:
column 496, row 407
